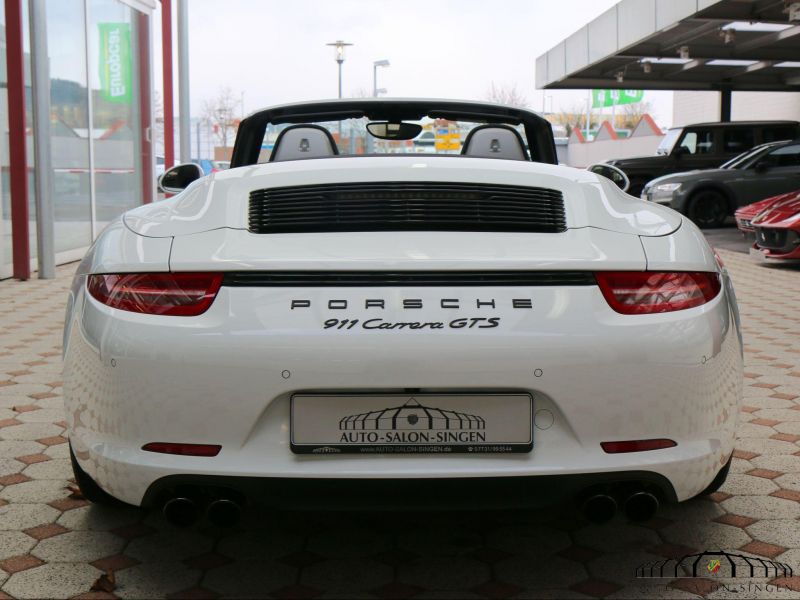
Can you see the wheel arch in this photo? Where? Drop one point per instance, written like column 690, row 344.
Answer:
column 713, row 186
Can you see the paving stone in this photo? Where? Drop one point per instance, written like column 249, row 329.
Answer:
column 16, row 517
column 79, row 546
column 58, row 469
column 749, row 485
column 350, row 542
column 438, row 540
column 781, row 532
column 762, row 507
column 616, row 536
column 554, row 572
column 43, row 415
column 54, row 580
column 97, row 517
column 444, row 573
column 260, row 544
column 535, row 541
column 14, row 543
column 29, row 431
column 253, row 578
column 156, row 580
column 699, row 534
column 35, row 491
column 169, row 544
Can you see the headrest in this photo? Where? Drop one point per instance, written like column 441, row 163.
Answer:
column 494, row 141
column 303, row 141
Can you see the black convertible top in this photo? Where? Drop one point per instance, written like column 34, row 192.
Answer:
column 538, row 131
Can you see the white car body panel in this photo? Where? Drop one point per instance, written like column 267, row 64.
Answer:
column 226, row 376
column 594, row 202
column 232, row 249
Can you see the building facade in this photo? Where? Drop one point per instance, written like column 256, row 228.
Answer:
column 690, row 107
column 98, row 69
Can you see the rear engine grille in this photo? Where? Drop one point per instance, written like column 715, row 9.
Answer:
column 406, row 206
column 782, row 241
column 406, row 278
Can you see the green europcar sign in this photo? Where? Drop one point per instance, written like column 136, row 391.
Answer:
column 603, row 98
column 116, row 64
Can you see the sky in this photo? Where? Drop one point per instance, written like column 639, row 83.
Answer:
column 274, row 50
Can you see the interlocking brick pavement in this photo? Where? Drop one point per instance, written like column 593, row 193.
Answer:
column 55, row 546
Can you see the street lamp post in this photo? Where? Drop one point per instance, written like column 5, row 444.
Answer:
column 375, row 65
column 339, row 47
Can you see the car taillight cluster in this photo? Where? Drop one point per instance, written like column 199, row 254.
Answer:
column 172, row 294
column 645, row 292
column 191, row 294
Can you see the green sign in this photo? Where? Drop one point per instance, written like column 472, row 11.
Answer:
column 116, row 65
column 603, row 98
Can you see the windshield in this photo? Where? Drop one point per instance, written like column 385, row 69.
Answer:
column 438, row 136
column 747, row 159
column 672, row 135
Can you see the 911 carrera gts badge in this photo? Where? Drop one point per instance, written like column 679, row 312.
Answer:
column 373, row 306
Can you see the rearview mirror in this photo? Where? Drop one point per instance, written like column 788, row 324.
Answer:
column 177, row 178
column 761, row 166
column 617, row 176
column 394, row 131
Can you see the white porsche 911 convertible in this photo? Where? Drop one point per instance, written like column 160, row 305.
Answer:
column 356, row 313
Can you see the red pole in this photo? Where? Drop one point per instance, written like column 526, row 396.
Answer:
column 145, row 106
column 18, row 163
column 166, row 58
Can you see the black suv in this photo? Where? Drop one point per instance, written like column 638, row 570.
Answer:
column 702, row 146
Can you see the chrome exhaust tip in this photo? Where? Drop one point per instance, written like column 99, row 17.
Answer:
column 224, row 513
column 181, row 511
column 640, row 506
column 599, row 508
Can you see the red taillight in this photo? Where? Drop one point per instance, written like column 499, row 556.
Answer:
column 636, row 445
column 644, row 292
column 174, row 294
column 206, row 450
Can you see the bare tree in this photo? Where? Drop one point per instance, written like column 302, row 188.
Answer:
column 506, row 94
column 574, row 117
column 221, row 111
column 633, row 113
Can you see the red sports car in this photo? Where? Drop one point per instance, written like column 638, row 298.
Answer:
column 746, row 214
column 777, row 228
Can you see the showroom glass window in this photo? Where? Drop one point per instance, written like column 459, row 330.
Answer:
column 117, row 117
column 69, row 124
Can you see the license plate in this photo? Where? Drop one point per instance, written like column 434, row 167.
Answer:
column 411, row 424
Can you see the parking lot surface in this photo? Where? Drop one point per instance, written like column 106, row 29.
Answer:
column 54, row 544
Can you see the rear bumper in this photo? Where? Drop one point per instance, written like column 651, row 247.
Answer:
column 226, row 377
column 393, row 494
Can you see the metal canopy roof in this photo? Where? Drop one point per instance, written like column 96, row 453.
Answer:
column 734, row 45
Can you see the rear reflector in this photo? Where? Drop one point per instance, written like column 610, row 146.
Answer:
column 644, row 292
column 173, row 294
column 636, row 445
column 183, row 449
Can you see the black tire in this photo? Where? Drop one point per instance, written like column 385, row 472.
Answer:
column 708, row 209
column 718, row 481
column 88, row 487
